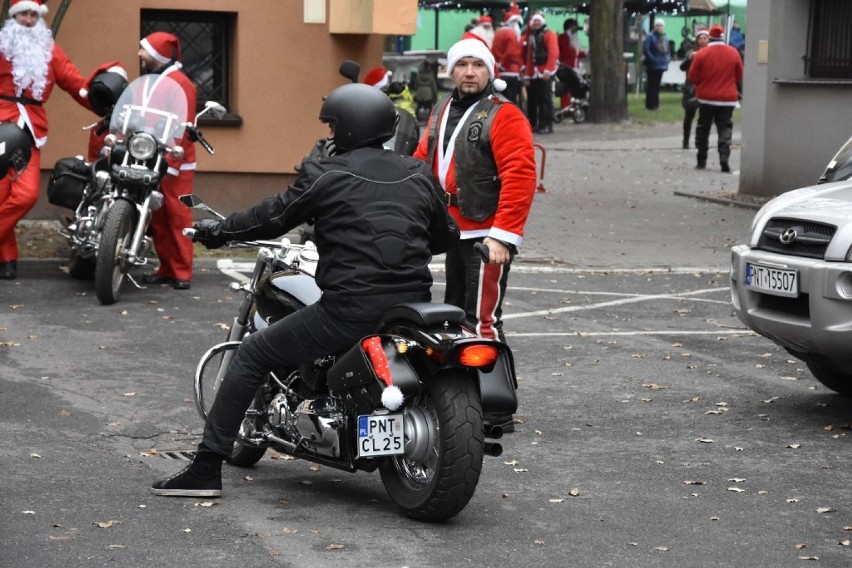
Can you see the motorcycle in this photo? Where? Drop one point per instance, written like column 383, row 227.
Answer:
column 570, row 81
column 114, row 197
column 408, row 400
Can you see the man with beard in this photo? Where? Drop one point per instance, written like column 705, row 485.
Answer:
column 31, row 63
column 480, row 148
column 160, row 53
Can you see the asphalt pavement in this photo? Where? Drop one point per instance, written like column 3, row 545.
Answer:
column 653, row 429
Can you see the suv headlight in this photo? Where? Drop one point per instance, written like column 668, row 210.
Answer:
column 142, row 146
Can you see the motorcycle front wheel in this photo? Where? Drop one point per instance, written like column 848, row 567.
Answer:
column 111, row 265
column 438, row 483
column 208, row 377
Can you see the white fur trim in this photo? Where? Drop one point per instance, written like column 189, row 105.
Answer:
column 84, row 92
column 146, row 45
column 40, row 9
column 392, row 398
column 119, row 70
column 499, row 85
column 384, row 82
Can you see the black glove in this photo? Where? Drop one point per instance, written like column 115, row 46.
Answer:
column 209, row 233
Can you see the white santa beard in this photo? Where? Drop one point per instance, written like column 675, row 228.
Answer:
column 29, row 50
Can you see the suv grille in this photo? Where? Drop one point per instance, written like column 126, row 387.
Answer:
column 796, row 238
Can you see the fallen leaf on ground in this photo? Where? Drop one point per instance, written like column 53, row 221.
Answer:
column 105, row 524
column 334, row 547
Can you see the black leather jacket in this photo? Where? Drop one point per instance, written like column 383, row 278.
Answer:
column 378, row 219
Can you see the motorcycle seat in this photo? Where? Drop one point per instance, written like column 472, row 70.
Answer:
column 423, row 314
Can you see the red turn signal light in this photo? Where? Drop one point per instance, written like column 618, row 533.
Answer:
column 477, row 355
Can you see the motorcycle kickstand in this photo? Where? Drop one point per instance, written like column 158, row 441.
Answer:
column 135, row 283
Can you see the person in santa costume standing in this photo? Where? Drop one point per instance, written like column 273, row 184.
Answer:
column 160, row 53
column 480, row 148
column 31, row 63
column 509, row 52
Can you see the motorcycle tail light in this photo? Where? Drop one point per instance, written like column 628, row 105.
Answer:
column 477, row 355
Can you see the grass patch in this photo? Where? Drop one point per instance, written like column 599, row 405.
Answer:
column 671, row 109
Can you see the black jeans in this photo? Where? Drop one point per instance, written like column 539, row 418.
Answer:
column 723, row 117
column 540, row 103
column 477, row 288
column 298, row 338
column 688, row 117
column 652, row 88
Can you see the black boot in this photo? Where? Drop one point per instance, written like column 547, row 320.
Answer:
column 201, row 478
column 9, row 270
column 725, row 167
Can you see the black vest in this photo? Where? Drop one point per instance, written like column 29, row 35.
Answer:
column 477, row 180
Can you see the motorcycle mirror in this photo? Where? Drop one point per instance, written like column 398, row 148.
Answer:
column 350, row 69
column 195, row 202
column 216, row 110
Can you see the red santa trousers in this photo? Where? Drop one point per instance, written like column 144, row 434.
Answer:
column 17, row 197
column 167, row 224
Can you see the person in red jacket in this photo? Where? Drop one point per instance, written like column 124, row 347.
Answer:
column 570, row 53
column 160, row 53
column 480, row 149
column 31, row 64
column 509, row 52
column 717, row 73
column 541, row 59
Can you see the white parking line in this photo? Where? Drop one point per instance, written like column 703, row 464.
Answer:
column 630, row 300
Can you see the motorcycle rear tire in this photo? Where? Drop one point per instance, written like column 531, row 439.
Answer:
column 81, row 268
column 439, row 488
column 111, row 267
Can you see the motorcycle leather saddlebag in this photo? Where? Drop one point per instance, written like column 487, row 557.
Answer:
column 67, row 182
column 354, row 379
column 498, row 387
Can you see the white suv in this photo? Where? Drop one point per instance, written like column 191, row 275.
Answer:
column 792, row 282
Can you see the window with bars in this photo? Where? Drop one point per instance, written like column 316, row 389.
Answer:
column 830, row 42
column 205, row 40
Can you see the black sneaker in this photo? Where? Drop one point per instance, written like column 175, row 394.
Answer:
column 201, row 478
column 726, row 168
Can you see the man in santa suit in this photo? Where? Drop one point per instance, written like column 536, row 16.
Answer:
column 31, row 63
column 508, row 51
column 480, row 149
column 160, row 53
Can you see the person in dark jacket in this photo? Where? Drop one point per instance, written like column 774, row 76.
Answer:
column 378, row 219
column 657, row 55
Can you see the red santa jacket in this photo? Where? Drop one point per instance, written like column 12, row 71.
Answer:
column 716, row 71
column 508, row 51
column 60, row 71
column 537, row 71
column 188, row 160
column 514, row 155
column 568, row 54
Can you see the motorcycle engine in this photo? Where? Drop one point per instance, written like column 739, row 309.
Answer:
column 318, row 422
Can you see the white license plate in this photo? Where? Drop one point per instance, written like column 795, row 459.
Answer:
column 770, row 280
column 380, row 435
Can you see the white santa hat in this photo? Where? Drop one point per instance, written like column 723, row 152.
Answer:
column 473, row 46
column 19, row 6
column 538, row 17
column 162, row 46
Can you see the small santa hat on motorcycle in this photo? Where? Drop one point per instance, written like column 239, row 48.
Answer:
column 471, row 45
column 163, row 47
column 378, row 77
column 18, row 6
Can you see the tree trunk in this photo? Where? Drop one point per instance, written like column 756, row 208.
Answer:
column 606, row 37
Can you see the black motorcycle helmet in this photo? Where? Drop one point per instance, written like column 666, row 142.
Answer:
column 15, row 149
column 104, row 91
column 360, row 114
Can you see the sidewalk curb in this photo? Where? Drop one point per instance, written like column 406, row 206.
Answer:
column 719, row 200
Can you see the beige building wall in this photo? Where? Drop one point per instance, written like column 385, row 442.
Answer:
column 282, row 68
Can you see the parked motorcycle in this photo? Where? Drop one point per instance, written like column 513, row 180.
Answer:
column 407, row 401
column 114, row 197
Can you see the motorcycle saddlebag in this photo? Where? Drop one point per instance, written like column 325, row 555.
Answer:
column 67, row 182
column 355, row 380
column 498, row 387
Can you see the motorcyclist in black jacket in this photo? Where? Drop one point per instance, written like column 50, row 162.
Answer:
column 378, row 219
